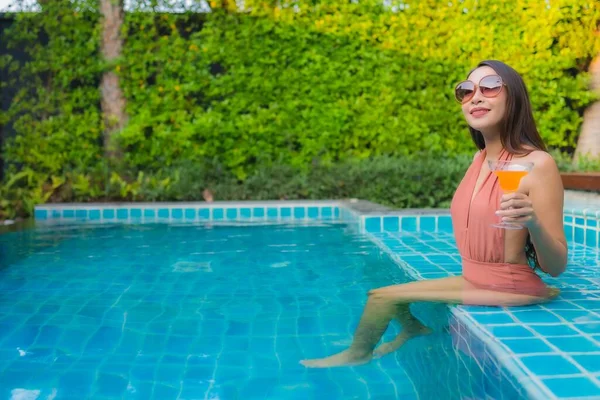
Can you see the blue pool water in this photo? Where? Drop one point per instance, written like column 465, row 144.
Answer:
column 209, row 312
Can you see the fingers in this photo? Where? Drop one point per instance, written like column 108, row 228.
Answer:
column 515, row 212
column 515, row 203
column 513, row 195
column 516, row 208
column 520, row 219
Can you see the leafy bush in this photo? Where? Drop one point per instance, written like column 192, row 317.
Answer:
column 566, row 163
column 420, row 181
column 278, row 92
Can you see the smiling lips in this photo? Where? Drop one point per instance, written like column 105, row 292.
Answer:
column 479, row 112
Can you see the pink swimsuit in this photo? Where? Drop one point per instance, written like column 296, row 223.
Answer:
column 481, row 245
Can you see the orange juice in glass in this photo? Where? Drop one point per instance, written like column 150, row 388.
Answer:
column 509, row 175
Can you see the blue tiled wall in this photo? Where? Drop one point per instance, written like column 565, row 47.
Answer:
column 161, row 213
column 408, row 223
column 581, row 226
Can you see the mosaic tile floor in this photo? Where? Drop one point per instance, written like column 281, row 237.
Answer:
column 184, row 311
column 556, row 345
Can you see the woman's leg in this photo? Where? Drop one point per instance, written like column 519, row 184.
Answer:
column 382, row 307
column 411, row 326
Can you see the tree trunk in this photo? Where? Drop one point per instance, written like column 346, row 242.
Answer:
column 588, row 144
column 113, row 101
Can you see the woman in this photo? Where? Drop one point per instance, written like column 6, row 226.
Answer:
column 495, row 268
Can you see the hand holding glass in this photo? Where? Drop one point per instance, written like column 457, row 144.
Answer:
column 509, row 175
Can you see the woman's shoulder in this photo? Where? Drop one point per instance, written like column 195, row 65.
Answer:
column 544, row 166
column 541, row 160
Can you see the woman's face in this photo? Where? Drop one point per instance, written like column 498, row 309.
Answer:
column 482, row 113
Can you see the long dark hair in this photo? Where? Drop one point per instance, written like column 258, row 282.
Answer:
column 519, row 134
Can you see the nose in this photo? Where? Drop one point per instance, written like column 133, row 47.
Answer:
column 477, row 96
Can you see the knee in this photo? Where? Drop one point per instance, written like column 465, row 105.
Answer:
column 378, row 295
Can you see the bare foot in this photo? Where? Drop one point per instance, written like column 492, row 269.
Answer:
column 345, row 358
column 405, row 335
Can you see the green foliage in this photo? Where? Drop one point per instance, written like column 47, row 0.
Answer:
column 566, row 163
column 285, row 101
column 420, row 181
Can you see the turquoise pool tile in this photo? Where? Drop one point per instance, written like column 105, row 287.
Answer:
column 149, row 213
column 493, row 318
column 81, row 214
column 568, row 219
column 480, row 309
column 122, row 213
column 591, row 237
column 373, row 224
column 590, row 362
column 326, row 212
column 68, row 213
column 579, row 235
column 427, row 224
column 572, row 387
column 56, row 214
column 313, row 212
column 409, row 224
column 336, row 212
column 577, row 344
column 527, row 346
column 593, row 305
column 505, row 331
column 245, row 213
column 391, row 224
column 561, row 305
column 286, row 212
column 162, row 391
column 135, row 213
column 442, row 259
column 568, row 233
column 591, row 328
column 554, row 330
column 94, row 215
column 190, row 213
column 108, row 213
column 444, row 224
column 163, row 213
column 591, row 222
column 40, row 214
column 272, row 212
column 535, row 316
column 258, row 212
column 176, row 213
column 231, row 213
column 204, row 213
column 217, row 214
column 434, row 275
column 549, row 365
column 579, row 221
column 299, row 212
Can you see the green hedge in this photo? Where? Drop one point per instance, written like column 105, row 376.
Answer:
column 324, row 83
column 420, row 181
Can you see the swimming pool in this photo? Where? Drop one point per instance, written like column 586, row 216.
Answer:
column 194, row 311
column 537, row 352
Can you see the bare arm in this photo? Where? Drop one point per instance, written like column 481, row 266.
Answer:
column 546, row 225
column 541, row 211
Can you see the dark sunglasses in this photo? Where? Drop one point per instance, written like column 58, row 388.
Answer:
column 490, row 86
